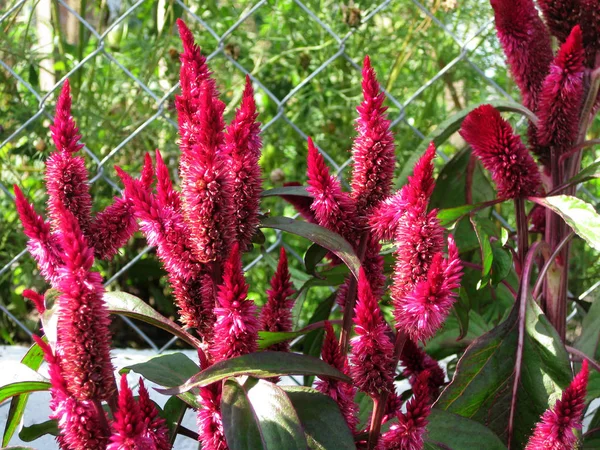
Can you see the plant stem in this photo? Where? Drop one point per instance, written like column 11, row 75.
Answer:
column 548, row 263
column 522, row 231
column 101, row 416
column 583, row 356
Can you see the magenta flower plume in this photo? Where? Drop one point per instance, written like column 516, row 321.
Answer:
column 561, row 16
column 65, row 133
column 415, row 360
column 276, row 315
column 526, row 43
column 302, row 204
column 167, row 196
column 373, row 149
column 43, row 244
column 555, row 430
column 408, row 433
column 342, row 393
column 333, row 208
column 236, row 328
column 372, row 348
column 422, row 312
column 501, row 152
column 129, row 431
column 590, row 26
column 416, row 193
column 243, row 145
column 210, row 422
column 83, row 322
column 155, row 426
column 36, row 299
column 562, row 96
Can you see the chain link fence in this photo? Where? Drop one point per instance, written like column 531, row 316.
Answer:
column 161, row 102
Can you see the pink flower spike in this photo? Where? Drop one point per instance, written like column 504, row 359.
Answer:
column 147, row 175
column 276, row 315
column 129, row 430
column 415, row 360
column 373, row 150
column 372, row 348
column 43, row 244
column 555, row 430
column 561, row 16
column 501, row 152
column 210, row 422
column 408, row 433
column 112, row 228
column 527, row 45
column 236, row 328
column 167, row 196
column 333, row 208
column 590, row 26
column 242, row 146
column 562, row 96
column 36, row 299
column 65, row 133
column 156, row 427
column 302, row 204
column 342, row 393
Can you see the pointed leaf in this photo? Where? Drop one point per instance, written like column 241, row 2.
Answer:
column 589, row 173
column 240, row 423
column 35, row 431
column 299, row 191
column 459, row 433
column 20, row 379
column 173, row 413
column 589, row 339
column 313, row 256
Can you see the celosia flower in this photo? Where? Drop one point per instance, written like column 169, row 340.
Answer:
column 43, row 244
column 342, row 393
column 373, row 149
column 333, row 208
column 415, row 360
column 37, row 299
column 276, row 315
column 83, row 322
column 562, row 95
column 416, row 193
column 555, row 430
column 561, row 16
column 302, row 204
column 78, row 421
column 526, row 43
column 167, row 196
column 236, row 328
column 372, row 349
column 155, row 426
column 590, row 26
column 421, row 313
column 501, row 152
column 408, row 433
column 210, row 422
column 242, row 146
column 129, row 431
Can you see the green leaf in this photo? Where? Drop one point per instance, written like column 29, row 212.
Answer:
column 319, row 235
column 313, row 256
column 484, row 228
column 259, row 415
column 128, row 305
column 22, row 387
column 502, row 263
column 579, row 215
column 459, row 433
column 450, row 215
column 173, row 413
column 32, row 359
column 481, row 388
column 261, row 365
column 168, row 370
column 33, row 432
column 365, row 409
column 268, row 338
column 589, row 173
column 323, row 424
column 590, row 334
column 593, row 387
column 299, row 191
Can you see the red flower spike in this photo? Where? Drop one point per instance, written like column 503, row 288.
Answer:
column 236, row 328
column 373, row 150
column 372, row 348
column 36, row 299
column 43, row 244
column 276, row 315
column 83, row 323
column 415, row 360
column 65, row 133
column 555, row 430
column 408, row 433
column 561, row 16
column 562, row 96
column 242, row 146
column 112, row 228
column 167, row 196
column 526, row 43
column 156, row 427
column 501, row 152
column 302, row 204
column 342, row 393
column 590, row 26
column 210, row 422
column 129, row 430
column 333, row 208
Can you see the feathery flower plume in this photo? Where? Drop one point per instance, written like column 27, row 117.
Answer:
column 167, row 196
column 416, row 193
column 43, row 245
column 555, row 430
column 78, row 421
column 276, row 315
column 501, row 152
column 333, row 208
column 36, row 299
column 83, row 323
column 372, row 348
column 562, row 95
column 590, row 26
column 342, row 393
column 561, row 16
column 302, row 204
column 210, row 422
column 242, row 145
column 236, row 328
column 129, row 431
column 526, row 43
column 408, row 433
column 415, row 360
column 373, row 149
column 156, row 427
column 421, row 313
column 66, row 175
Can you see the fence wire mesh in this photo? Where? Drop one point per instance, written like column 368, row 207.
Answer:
column 160, row 97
